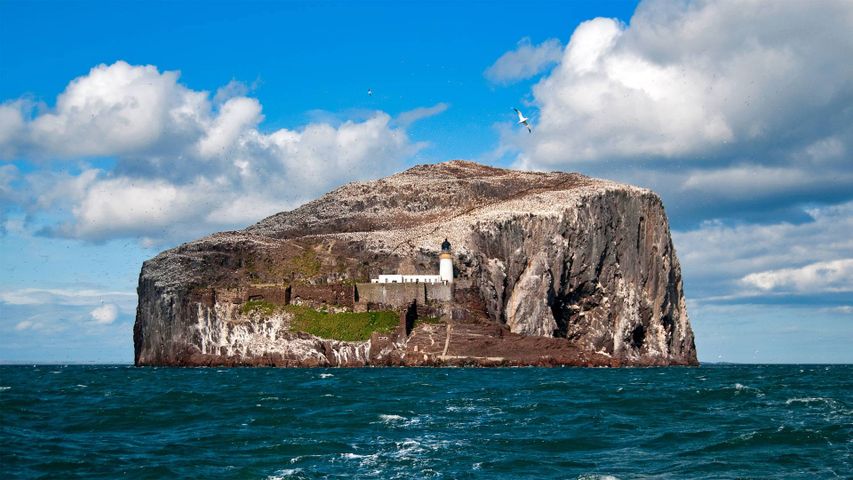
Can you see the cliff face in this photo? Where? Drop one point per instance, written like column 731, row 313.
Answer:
column 603, row 274
column 585, row 266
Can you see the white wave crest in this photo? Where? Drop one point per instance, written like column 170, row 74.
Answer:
column 808, row 400
column 284, row 474
column 739, row 387
column 391, row 418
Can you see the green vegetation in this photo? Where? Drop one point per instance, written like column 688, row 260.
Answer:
column 261, row 306
column 348, row 326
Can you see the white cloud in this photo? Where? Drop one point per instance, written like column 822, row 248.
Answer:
column 832, row 276
column 235, row 116
column 812, row 257
column 186, row 161
column 525, row 61
column 122, row 205
column 105, row 314
column 844, row 309
column 56, row 310
column 43, row 324
column 49, row 189
column 119, row 109
column 23, row 325
column 9, row 174
column 749, row 182
column 68, row 297
column 736, row 110
column 407, row 118
column 11, row 126
column 703, row 101
column 823, row 150
column 231, row 90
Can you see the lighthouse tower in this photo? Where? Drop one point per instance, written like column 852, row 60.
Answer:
column 445, row 263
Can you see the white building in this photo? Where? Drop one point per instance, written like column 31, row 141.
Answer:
column 445, row 271
column 396, row 278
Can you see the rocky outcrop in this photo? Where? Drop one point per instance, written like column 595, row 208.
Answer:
column 586, row 266
column 602, row 273
column 528, row 308
column 177, row 328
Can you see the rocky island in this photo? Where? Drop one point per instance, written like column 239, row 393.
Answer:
column 544, row 269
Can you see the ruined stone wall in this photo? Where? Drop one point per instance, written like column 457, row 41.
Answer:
column 277, row 294
column 210, row 296
column 336, row 294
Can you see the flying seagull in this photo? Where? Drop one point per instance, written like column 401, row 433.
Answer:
column 522, row 120
column 369, row 92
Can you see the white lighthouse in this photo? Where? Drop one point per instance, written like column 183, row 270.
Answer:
column 445, row 263
column 445, row 271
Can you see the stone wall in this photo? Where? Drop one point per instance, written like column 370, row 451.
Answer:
column 335, row 294
column 211, row 296
column 392, row 294
column 277, row 294
column 400, row 295
column 439, row 291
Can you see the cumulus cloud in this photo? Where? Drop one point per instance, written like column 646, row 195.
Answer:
column 11, row 126
column 186, row 162
column 105, row 314
column 527, row 60
column 234, row 88
column 738, row 114
column 832, row 276
column 118, row 109
column 686, row 78
column 729, row 261
column 703, row 101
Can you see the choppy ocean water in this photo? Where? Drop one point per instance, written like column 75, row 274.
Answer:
column 708, row 422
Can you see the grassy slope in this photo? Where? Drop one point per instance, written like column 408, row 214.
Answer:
column 348, row 326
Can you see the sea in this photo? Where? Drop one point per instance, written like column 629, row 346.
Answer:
column 713, row 421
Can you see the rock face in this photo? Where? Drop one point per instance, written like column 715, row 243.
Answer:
column 585, row 266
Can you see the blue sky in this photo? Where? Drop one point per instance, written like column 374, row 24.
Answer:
column 130, row 127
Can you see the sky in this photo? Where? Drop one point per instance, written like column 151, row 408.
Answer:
column 127, row 128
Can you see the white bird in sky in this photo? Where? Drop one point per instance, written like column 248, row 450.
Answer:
column 522, row 120
column 369, row 92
